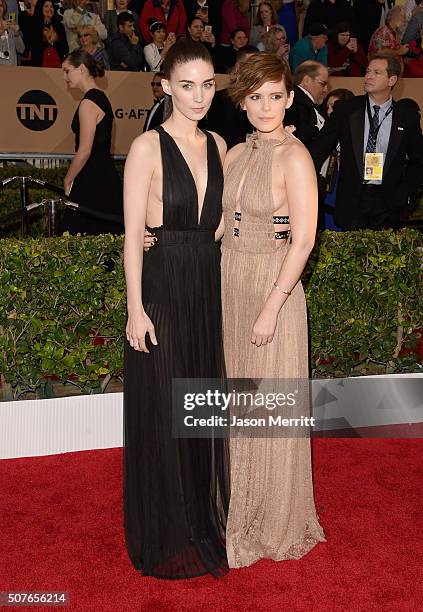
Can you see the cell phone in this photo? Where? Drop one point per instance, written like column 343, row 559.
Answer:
column 208, row 28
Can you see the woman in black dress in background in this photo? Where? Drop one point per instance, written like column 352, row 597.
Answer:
column 175, row 490
column 92, row 180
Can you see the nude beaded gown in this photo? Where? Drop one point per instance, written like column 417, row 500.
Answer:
column 271, row 512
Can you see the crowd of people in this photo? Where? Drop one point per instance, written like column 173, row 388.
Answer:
column 329, row 37
column 137, row 34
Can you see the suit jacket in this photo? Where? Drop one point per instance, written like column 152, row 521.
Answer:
column 403, row 166
column 156, row 115
column 367, row 18
column 123, row 51
column 329, row 13
column 303, row 116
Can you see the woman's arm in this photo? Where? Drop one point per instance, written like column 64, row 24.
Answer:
column 302, row 196
column 89, row 114
column 99, row 26
column 19, row 43
column 152, row 57
column 139, row 170
column 72, row 19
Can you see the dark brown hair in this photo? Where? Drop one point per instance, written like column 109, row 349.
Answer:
column 252, row 74
column 342, row 94
column 183, row 51
column 79, row 57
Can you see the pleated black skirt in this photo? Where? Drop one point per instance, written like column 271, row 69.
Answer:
column 175, row 490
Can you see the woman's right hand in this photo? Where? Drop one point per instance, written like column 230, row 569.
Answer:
column 149, row 240
column 138, row 325
column 170, row 40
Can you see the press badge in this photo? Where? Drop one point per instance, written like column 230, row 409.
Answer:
column 373, row 166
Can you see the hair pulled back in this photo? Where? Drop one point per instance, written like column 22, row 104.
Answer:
column 183, row 51
column 80, row 57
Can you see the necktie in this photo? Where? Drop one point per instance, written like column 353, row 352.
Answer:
column 374, row 124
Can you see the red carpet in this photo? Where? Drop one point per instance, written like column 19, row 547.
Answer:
column 61, row 531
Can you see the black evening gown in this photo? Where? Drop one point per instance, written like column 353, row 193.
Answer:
column 176, row 490
column 98, row 185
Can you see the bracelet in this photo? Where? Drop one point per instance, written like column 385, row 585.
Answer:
column 283, row 290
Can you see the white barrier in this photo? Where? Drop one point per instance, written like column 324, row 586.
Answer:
column 46, row 427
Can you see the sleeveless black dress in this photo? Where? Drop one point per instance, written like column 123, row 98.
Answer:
column 98, row 185
column 176, row 490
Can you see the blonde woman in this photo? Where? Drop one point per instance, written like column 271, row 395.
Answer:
column 275, row 41
column 89, row 41
column 79, row 16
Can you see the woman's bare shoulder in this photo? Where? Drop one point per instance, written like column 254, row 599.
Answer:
column 235, row 152
column 293, row 151
column 145, row 144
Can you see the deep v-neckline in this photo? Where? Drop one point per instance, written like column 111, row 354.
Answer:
column 199, row 213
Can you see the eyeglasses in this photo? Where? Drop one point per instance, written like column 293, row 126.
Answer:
column 83, row 35
column 322, row 83
column 155, row 84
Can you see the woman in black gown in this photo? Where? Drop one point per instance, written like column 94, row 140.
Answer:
column 175, row 490
column 92, row 180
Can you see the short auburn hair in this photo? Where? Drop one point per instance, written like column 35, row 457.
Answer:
column 260, row 68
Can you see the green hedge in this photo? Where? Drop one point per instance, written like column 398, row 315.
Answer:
column 61, row 297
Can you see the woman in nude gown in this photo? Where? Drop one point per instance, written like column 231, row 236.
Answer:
column 270, row 211
column 270, row 214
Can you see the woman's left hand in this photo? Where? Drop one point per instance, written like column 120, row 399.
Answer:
column 67, row 185
column 149, row 240
column 264, row 328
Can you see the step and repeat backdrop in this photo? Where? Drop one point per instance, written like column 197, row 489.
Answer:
column 37, row 107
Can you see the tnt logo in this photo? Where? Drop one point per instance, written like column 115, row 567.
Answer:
column 36, row 110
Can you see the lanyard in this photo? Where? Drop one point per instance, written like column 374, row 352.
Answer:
column 375, row 131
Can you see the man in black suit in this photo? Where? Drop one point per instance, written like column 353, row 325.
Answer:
column 381, row 159
column 223, row 116
column 155, row 114
column 370, row 15
column 311, row 84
